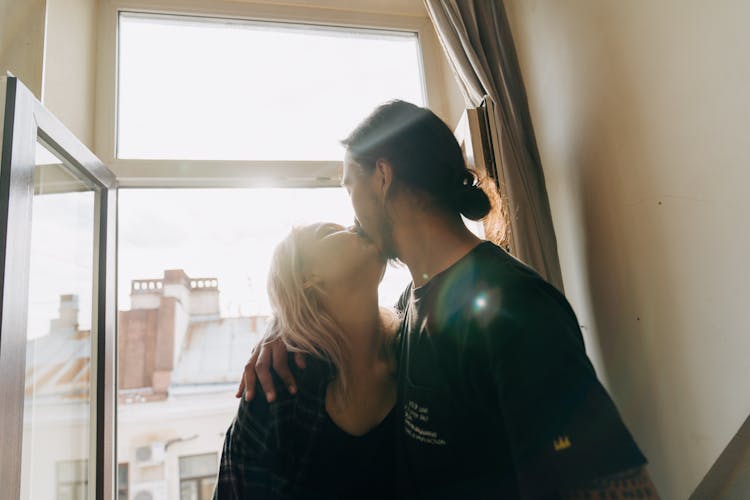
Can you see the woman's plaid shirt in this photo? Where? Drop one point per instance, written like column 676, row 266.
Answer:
column 267, row 448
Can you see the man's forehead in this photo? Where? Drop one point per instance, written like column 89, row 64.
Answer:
column 349, row 170
column 351, row 162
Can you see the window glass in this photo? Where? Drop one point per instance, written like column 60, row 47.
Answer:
column 193, row 265
column 223, row 238
column 198, row 465
column 72, row 480
column 199, row 88
column 57, row 427
column 198, row 476
column 122, row 482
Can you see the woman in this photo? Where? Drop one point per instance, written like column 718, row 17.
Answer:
column 335, row 438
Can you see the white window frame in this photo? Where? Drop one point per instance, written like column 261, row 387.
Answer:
column 221, row 173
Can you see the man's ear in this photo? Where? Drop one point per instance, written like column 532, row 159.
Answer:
column 383, row 176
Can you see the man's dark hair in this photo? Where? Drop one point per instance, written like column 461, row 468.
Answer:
column 424, row 153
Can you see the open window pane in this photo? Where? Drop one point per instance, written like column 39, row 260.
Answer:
column 57, row 403
column 212, row 89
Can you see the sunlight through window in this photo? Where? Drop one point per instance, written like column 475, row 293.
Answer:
column 217, row 89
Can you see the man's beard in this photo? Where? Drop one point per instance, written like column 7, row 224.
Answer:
column 387, row 245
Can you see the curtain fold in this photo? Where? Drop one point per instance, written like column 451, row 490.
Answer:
column 476, row 37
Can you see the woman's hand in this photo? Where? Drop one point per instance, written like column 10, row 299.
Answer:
column 266, row 356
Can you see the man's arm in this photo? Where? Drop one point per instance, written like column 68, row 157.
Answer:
column 563, row 427
column 271, row 355
column 626, row 485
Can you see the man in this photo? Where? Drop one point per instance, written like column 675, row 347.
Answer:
column 497, row 397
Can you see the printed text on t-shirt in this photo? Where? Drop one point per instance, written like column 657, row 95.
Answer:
column 415, row 418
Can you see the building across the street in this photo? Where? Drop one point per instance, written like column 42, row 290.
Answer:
column 178, row 368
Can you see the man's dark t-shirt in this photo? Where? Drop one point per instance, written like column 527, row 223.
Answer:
column 498, row 396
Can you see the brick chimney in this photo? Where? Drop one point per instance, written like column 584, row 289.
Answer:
column 151, row 333
column 68, row 314
column 177, row 285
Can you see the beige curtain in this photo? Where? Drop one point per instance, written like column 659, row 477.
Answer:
column 478, row 42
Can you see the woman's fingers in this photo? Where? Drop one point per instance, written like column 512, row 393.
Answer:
column 281, row 366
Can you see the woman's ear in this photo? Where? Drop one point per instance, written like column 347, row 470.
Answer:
column 383, row 177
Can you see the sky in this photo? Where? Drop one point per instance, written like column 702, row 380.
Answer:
column 61, row 258
column 225, row 90
column 228, row 234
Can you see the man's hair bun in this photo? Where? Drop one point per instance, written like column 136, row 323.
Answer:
column 473, row 202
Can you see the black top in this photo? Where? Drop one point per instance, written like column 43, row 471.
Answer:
column 499, row 398
column 344, row 466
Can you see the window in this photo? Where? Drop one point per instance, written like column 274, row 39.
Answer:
column 217, row 89
column 226, row 235
column 218, row 148
column 193, row 265
column 257, row 109
column 122, row 482
column 72, row 480
column 58, row 398
column 198, row 476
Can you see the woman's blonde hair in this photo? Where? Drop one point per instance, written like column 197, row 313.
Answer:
column 299, row 318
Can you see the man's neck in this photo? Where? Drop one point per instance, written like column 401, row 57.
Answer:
column 430, row 244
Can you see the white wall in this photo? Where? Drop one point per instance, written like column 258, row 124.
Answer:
column 51, row 46
column 70, row 64
column 642, row 115
column 22, row 41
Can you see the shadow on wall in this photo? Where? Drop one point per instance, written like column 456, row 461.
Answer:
column 608, row 138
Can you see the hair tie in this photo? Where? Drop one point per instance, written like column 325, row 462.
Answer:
column 469, row 181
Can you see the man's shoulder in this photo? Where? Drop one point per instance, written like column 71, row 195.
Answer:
column 505, row 299
column 503, row 268
column 499, row 279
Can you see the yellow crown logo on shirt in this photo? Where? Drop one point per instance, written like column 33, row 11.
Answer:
column 561, row 443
